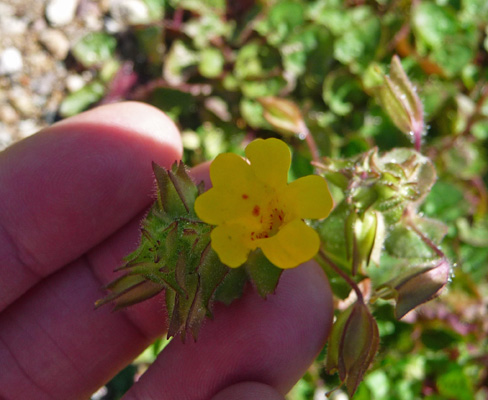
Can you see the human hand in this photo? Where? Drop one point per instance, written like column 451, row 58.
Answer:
column 71, row 201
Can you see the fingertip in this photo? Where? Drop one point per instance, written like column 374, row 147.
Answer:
column 249, row 391
column 201, row 173
column 273, row 341
column 127, row 117
column 144, row 119
column 70, row 186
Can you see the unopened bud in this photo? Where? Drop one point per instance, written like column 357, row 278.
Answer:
column 402, row 103
column 364, row 237
column 353, row 344
column 421, row 287
column 283, row 115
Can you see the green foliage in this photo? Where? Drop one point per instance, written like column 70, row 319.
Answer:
column 228, row 72
column 94, row 49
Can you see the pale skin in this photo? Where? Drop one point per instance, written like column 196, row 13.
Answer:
column 71, row 200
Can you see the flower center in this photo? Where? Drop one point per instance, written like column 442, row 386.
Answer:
column 270, row 220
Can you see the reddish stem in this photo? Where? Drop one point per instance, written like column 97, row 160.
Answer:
column 343, row 275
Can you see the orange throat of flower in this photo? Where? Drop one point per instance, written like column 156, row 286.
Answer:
column 271, row 218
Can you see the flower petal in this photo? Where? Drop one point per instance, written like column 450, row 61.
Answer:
column 309, row 196
column 294, row 244
column 234, row 193
column 231, row 171
column 230, row 243
column 217, row 206
column 270, row 160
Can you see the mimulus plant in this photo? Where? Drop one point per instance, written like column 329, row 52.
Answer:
column 204, row 246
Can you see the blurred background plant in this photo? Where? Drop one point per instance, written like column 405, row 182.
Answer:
column 230, row 71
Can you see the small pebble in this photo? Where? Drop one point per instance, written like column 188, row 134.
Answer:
column 8, row 114
column 129, row 11
column 28, row 127
column 44, row 85
column 6, row 136
column 7, row 10
column 12, row 25
column 74, row 82
column 112, row 26
column 61, row 12
column 10, row 61
column 55, row 42
column 21, row 100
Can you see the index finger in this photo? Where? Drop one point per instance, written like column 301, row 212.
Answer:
column 67, row 188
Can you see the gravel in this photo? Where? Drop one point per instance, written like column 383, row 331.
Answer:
column 35, row 75
column 10, row 61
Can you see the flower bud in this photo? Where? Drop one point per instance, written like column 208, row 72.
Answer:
column 283, row 115
column 422, row 286
column 402, row 103
column 353, row 344
column 364, row 238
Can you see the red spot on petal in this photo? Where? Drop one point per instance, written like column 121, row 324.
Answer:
column 255, row 211
column 245, row 196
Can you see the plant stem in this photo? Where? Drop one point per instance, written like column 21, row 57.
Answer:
column 312, row 145
column 343, row 275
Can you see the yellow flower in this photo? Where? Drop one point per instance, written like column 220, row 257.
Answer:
column 253, row 206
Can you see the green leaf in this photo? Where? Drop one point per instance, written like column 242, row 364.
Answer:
column 466, row 160
column 445, row 201
column 283, row 18
column 475, row 234
column 79, row 101
column 252, row 112
column 295, row 51
column 404, row 243
column 455, row 384
column 439, row 31
column 339, row 92
column 207, row 29
column 262, row 273
column 232, row 287
column 155, row 9
column 357, row 45
column 94, row 49
column 255, row 61
column 433, row 23
column 180, row 58
column 263, row 88
column 174, row 102
column 439, row 339
column 211, row 62
column 150, row 40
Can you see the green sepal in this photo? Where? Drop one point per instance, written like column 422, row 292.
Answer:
column 352, row 345
column 232, row 286
column 176, row 191
column 174, row 255
column 263, row 274
column 129, row 290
